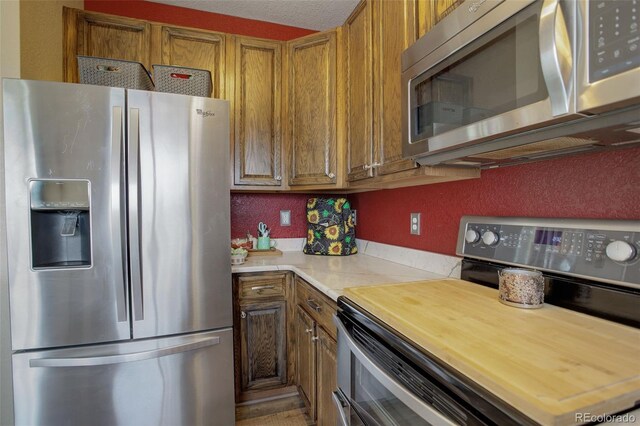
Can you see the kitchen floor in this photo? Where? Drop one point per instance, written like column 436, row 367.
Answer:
column 287, row 418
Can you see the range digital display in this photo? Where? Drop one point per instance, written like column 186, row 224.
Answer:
column 548, row 237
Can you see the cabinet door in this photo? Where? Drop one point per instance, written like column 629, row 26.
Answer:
column 394, row 31
column 196, row 49
column 442, row 8
column 357, row 36
column 257, row 144
column 306, row 359
column 106, row 36
column 312, row 62
column 263, row 345
column 327, row 378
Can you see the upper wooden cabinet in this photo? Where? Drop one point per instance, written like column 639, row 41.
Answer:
column 106, row 36
column 376, row 34
column 312, row 110
column 195, row 49
column 257, row 108
column 430, row 12
column 394, row 30
column 357, row 39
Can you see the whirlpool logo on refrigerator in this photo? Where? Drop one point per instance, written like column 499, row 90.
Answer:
column 205, row 114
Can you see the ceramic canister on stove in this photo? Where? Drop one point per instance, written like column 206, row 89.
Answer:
column 522, row 288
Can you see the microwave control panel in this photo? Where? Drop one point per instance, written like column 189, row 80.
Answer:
column 606, row 255
column 614, row 37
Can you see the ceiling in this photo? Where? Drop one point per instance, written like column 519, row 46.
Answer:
column 311, row 14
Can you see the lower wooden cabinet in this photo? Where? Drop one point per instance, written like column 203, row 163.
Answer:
column 261, row 337
column 306, row 359
column 316, row 353
column 263, row 344
column 327, row 379
column 284, row 336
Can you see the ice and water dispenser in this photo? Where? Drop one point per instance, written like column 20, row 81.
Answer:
column 60, row 219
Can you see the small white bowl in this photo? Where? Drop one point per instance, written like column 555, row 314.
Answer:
column 238, row 259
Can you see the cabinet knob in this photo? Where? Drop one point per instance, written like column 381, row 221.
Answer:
column 376, row 164
column 314, row 338
column 243, row 314
column 331, row 175
column 278, row 178
column 366, row 166
column 308, row 330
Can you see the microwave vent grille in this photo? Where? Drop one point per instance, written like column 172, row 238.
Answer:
column 556, row 144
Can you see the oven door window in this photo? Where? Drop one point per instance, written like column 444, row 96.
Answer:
column 375, row 405
column 499, row 72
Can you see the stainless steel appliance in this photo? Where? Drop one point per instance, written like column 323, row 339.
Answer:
column 500, row 82
column 117, row 207
column 590, row 266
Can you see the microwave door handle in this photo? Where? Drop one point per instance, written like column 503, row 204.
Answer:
column 134, row 214
column 556, row 56
column 430, row 414
column 117, row 223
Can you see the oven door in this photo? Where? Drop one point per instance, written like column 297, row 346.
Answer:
column 510, row 70
column 370, row 389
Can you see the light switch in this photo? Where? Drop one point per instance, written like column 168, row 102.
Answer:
column 285, row 217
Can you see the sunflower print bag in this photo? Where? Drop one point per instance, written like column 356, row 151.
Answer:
column 330, row 227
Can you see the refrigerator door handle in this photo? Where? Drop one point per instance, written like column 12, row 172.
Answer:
column 116, row 211
column 134, row 214
column 121, row 358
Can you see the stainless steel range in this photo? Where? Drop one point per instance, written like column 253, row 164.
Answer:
column 590, row 266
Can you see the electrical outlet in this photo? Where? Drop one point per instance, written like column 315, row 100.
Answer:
column 355, row 217
column 415, row 224
column 285, row 217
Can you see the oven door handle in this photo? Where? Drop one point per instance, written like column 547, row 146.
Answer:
column 342, row 405
column 424, row 410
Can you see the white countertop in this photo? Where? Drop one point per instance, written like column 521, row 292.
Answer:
column 332, row 274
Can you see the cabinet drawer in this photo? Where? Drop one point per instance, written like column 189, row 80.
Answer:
column 261, row 286
column 320, row 307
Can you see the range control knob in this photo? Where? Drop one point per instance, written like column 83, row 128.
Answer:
column 472, row 236
column 621, row 251
column 490, row 238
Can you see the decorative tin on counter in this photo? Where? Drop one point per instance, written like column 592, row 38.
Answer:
column 330, row 227
column 113, row 73
column 521, row 288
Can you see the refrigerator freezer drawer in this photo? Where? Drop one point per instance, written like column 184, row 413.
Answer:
column 184, row 380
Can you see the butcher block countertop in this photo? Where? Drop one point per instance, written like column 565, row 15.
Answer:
column 548, row 363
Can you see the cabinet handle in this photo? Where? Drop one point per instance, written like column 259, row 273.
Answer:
column 308, row 330
column 331, row 175
column 314, row 338
column 366, row 166
column 262, row 287
column 278, row 178
column 243, row 314
column 376, row 164
column 314, row 305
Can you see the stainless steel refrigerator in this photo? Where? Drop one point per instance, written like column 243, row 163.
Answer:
column 117, row 207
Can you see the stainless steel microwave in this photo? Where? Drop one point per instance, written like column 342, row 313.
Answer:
column 493, row 73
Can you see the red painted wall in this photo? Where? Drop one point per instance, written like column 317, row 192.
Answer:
column 247, row 210
column 605, row 185
column 175, row 15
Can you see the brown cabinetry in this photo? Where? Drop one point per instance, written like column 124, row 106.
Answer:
column 106, row 36
column 260, row 325
column 359, row 79
column 316, row 352
column 312, row 110
column 195, row 49
column 375, row 36
column 257, row 144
